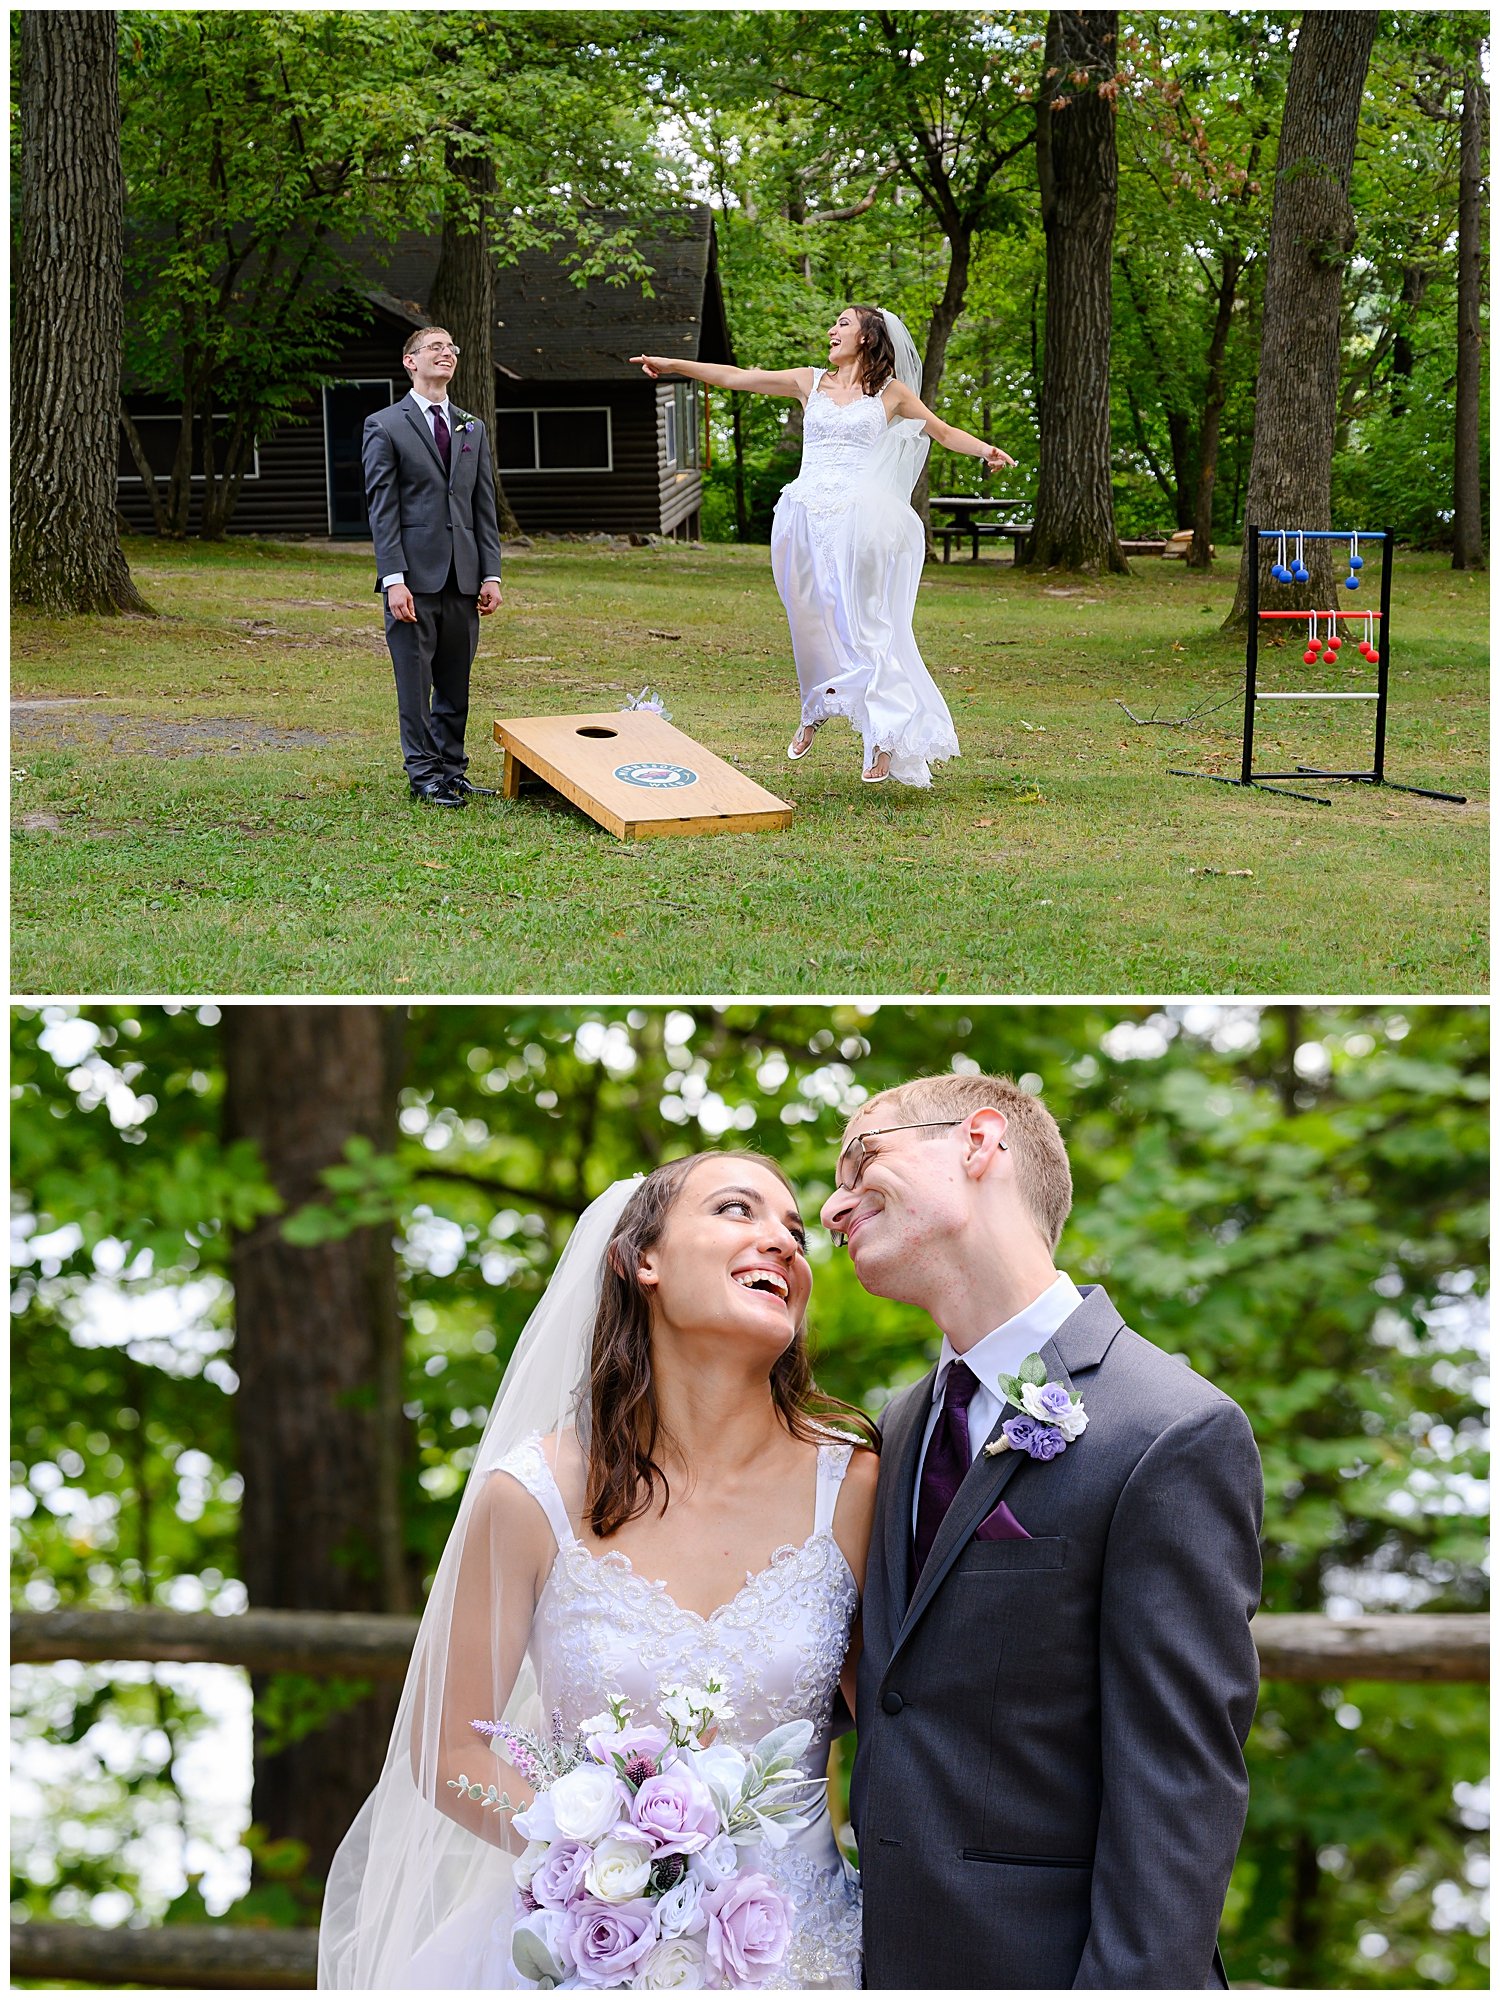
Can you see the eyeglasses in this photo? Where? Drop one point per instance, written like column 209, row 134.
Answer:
column 440, row 347
column 856, row 1154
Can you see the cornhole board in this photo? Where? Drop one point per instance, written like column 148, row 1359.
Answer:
column 636, row 775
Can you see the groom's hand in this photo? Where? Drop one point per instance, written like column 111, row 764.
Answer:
column 399, row 603
column 489, row 597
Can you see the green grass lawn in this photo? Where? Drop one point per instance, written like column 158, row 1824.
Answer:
column 213, row 802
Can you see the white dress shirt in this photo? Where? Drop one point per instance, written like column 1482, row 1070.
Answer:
column 427, row 407
column 999, row 1353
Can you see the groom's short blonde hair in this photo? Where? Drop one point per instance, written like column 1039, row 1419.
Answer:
column 1043, row 1176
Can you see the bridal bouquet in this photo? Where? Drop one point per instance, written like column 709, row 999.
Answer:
column 634, row 1874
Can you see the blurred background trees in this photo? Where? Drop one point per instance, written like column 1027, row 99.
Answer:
column 1292, row 1197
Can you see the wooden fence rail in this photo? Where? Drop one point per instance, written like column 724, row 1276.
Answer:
column 1418, row 1647
column 1453, row 1646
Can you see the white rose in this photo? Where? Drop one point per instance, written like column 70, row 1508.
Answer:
column 536, row 1821
column 526, row 1864
column 619, row 1869
column 536, row 1947
column 719, row 1764
column 585, row 1803
column 677, row 1913
column 1031, row 1402
column 1074, row 1424
column 603, row 1724
column 678, row 1963
column 715, row 1863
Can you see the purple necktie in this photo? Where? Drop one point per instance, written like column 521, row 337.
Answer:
column 948, row 1459
column 440, row 432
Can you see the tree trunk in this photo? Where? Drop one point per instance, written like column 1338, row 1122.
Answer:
column 1078, row 172
column 945, row 317
column 463, row 301
column 1468, row 520
column 1215, row 394
column 1312, row 234
column 1403, row 347
column 65, row 430
column 318, row 1353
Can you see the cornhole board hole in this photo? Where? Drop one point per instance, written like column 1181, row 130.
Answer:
column 636, row 775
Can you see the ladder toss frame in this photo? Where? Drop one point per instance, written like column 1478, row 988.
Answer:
column 1273, row 781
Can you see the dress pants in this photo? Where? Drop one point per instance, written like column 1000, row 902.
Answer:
column 432, row 660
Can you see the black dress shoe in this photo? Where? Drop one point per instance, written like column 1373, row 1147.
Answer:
column 464, row 789
column 437, row 793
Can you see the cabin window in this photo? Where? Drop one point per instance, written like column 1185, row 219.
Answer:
column 683, row 427
column 555, row 440
column 159, row 432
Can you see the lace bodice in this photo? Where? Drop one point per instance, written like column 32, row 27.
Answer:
column 837, row 440
column 778, row 1643
column 778, row 1646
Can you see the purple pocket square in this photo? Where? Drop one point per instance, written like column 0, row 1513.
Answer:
column 1001, row 1526
column 465, row 447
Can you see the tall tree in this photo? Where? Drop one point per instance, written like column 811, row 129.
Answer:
column 1078, row 175
column 65, row 543
column 1312, row 235
column 463, row 296
column 1468, row 516
column 318, row 1351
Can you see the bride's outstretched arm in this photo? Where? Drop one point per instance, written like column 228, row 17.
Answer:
column 904, row 402
column 507, row 1550
column 793, row 382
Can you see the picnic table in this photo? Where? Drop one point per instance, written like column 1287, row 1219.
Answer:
column 964, row 511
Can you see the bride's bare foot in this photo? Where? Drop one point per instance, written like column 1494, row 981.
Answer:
column 880, row 770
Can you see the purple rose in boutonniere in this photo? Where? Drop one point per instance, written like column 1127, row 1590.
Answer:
column 462, row 421
column 1050, row 1415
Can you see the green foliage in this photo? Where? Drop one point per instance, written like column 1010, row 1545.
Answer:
column 1291, row 1197
column 291, row 1706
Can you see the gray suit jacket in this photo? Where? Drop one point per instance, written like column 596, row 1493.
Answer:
column 425, row 522
column 1050, row 1789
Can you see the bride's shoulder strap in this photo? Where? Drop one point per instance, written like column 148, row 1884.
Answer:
column 527, row 1464
column 833, row 1463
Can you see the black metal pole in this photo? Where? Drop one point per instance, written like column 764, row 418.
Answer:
column 1383, row 678
column 1252, row 644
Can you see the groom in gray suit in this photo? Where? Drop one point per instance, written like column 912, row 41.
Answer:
column 430, row 488
column 1057, row 1675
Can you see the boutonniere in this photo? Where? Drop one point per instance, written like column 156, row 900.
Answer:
column 462, row 421
column 1049, row 1416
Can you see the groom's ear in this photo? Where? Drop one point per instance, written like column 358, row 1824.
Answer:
column 984, row 1135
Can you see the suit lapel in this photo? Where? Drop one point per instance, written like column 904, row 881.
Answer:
column 986, row 1480
column 901, row 1449
column 419, row 424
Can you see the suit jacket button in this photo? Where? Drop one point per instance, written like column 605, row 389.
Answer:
column 892, row 1703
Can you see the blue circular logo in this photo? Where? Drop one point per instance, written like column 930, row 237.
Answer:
column 656, row 777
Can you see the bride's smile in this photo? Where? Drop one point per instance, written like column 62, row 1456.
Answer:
column 751, row 1231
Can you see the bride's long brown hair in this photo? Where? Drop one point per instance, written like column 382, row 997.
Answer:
column 625, row 1427
column 875, row 363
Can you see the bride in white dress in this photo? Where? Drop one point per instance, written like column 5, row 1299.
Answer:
column 654, row 1501
column 846, row 545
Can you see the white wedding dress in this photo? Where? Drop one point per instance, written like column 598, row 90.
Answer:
column 778, row 1646
column 846, row 554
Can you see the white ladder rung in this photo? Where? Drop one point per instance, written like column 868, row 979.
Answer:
column 1308, row 694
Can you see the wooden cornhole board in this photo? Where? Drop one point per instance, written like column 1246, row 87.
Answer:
column 636, row 774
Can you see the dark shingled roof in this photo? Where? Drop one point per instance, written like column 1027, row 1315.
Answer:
column 550, row 329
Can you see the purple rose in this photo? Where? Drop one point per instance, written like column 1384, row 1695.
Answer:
column 557, row 1875
column 677, row 1810
column 634, row 1740
column 1018, row 1431
column 608, row 1940
column 1054, row 1400
column 748, row 1929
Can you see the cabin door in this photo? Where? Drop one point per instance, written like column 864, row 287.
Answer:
column 345, row 407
